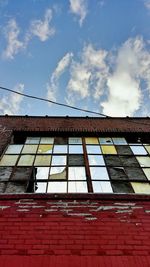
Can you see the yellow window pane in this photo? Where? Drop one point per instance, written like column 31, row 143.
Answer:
column 141, row 188
column 29, row 149
column 58, row 173
column 144, row 161
column 42, row 160
column 108, row 150
column 91, row 140
column 147, row 173
column 26, row 160
column 45, row 149
column 148, row 149
column 8, row 160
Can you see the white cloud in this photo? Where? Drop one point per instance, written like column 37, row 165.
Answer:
column 14, row 46
column 42, row 28
column 79, row 8
column 147, row 4
column 11, row 103
column 52, row 86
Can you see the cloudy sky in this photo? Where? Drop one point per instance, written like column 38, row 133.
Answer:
column 93, row 54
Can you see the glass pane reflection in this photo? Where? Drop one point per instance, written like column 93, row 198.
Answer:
column 75, row 149
column 60, row 149
column 43, row 160
column 105, row 140
column 47, row 149
column 47, row 140
column 77, row 187
column 41, row 187
column 29, row 149
column 76, row 173
column 143, row 188
column 96, row 160
column 42, row 173
column 58, row 173
column 14, row 149
column 108, row 150
column 147, row 173
column 91, row 140
column 138, row 150
column 32, row 140
column 75, row 140
column 93, row 149
column 144, row 161
column 8, row 160
column 99, row 173
column 59, row 160
column 102, row 187
column 26, row 160
column 57, row 187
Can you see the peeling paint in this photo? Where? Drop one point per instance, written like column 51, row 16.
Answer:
column 124, row 211
column 125, row 204
column 80, row 214
column 90, row 218
column 147, row 211
column 4, row 207
column 22, row 210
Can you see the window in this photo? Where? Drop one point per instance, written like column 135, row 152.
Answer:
column 76, row 165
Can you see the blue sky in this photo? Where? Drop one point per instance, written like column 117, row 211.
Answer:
column 94, row 54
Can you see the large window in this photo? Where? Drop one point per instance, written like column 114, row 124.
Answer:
column 76, row 165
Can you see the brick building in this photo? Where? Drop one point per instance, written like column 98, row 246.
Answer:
column 75, row 191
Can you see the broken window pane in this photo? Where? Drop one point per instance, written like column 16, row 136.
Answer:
column 29, row 149
column 32, row 140
column 105, row 140
column 91, row 140
column 26, row 160
column 21, row 174
column 59, row 160
column 96, row 160
column 143, row 188
column 117, row 173
column 122, row 187
column 76, row 173
column 60, row 149
column 15, row 188
column 43, row 160
column 108, row 150
column 102, row 187
column 129, row 161
column 124, row 150
column 112, row 160
column 147, row 172
column 119, row 141
column 75, row 140
column 93, row 149
column 99, row 173
column 47, row 149
column 14, row 149
column 138, row 150
column 40, row 187
column 75, row 160
column 135, row 173
column 58, row 173
column 148, row 149
column 47, row 140
column 75, row 149
column 77, row 187
column 8, row 160
column 144, row 161
column 42, row 173
column 61, row 140
column 57, row 187
column 5, row 173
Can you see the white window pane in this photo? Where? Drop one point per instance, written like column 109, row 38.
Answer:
column 32, row 140
column 41, row 187
column 14, row 149
column 26, row 160
column 99, row 173
column 119, row 141
column 75, row 140
column 29, row 149
column 76, row 173
column 144, row 161
column 57, row 187
column 58, row 173
column 75, row 149
column 93, row 149
column 59, row 160
column 102, row 187
column 138, row 150
column 77, row 187
column 8, row 160
column 47, row 140
column 105, row 140
column 60, row 149
column 147, row 173
column 96, row 160
column 42, row 173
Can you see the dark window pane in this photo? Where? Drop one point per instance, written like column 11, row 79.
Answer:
column 2, row 187
column 112, row 160
column 5, row 173
column 135, row 174
column 60, row 140
column 124, row 150
column 16, row 187
column 75, row 160
column 122, row 187
column 21, row 174
column 129, row 161
column 117, row 173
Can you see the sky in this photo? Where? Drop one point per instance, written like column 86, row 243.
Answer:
column 92, row 54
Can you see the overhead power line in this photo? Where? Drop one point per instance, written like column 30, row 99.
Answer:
column 52, row 102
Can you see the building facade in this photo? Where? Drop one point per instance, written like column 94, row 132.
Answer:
column 75, row 191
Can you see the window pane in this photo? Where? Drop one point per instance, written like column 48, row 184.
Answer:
column 77, row 187
column 75, row 160
column 5, row 173
column 122, row 187
column 8, row 160
column 108, row 150
column 91, row 140
column 143, row 188
column 42, row 173
column 93, row 149
column 58, row 173
column 105, row 140
column 75, row 149
column 26, row 160
column 14, row 149
column 112, row 160
column 135, row 174
column 148, row 149
column 96, row 160
column 59, row 160
column 123, row 150
column 75, row 140
column 47, row 140
column 102, row 187
column 144, row 161
column 29, row 149
column 99, row 173
column 147, row 173
column 32, row 140
column 61, row 140
column 42, row 160
column 138, row 150
column 47, row 149
column 76, row 173
column 57, row 187
column 117, row 173
column 41, row 187
column 60, row 149
column 119, row 141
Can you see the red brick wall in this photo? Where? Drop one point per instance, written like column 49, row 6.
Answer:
column 94, row 228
